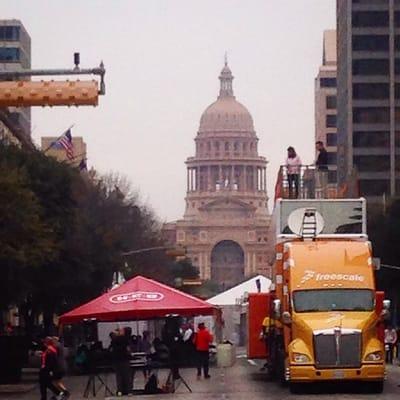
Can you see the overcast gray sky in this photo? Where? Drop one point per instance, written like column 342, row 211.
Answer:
column 163, row 59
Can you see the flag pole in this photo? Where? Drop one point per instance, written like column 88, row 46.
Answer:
column 75, row 157
column 51, row 144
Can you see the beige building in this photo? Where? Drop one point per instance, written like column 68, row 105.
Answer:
column 60, row 154
column 325, row 103
column 226, row 221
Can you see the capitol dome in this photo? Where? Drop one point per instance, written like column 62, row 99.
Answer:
column 226, row 114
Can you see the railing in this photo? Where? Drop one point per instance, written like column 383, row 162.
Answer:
column 312, row 183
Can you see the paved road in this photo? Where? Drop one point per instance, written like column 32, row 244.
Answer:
column 241, row 382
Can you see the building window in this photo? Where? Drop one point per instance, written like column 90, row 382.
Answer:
column 374, row 187
column 331, row 102
column 370, row 90
column 370, row 2
column 327, row 82
column 370, row 42
column 9, row 54
column 331, row 139
column 397, row 42
column 332, row 176
column 372, row 163
column 371, row 67
column 226, row 146
column 373, row 115
column 370, row 18
column 332, row 158
column 371, row 139
column 397, row 18
column 9, row 32
column 216, row 145
column 331, row 121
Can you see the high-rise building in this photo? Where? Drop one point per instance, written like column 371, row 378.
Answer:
column 226, row 222
column 368, row 94
column 79, row 152
column 325, row 102
column 15, row 55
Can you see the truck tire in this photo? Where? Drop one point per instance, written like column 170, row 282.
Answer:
column 376, row 387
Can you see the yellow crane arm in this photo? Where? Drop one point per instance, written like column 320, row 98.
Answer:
column 48, row 93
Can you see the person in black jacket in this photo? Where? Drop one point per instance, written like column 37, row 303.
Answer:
column 120, row 354
column 48, row 369
column 322, row 159
column 321, row 173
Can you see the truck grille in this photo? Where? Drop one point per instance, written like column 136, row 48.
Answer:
column 340, row 349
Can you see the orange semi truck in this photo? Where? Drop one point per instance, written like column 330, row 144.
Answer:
column 326, row 316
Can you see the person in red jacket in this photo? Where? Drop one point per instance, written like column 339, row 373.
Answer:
column 48, row 369
column 202, row 340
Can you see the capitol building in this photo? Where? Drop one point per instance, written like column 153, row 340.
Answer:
column 225, row 227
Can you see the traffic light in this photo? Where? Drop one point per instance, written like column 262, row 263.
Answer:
column 48, row 93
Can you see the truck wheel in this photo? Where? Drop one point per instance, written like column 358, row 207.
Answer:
column 376, row 387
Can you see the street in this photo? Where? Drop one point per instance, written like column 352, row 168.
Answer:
column 243, row 381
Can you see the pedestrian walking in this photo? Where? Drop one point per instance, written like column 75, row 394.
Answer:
column 61, row 369
column 390, row 343
column 48, row 369
column 120, row 354
column 202, row 340
column 293, row 165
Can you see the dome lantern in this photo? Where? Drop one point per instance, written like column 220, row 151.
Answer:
column 226, row 78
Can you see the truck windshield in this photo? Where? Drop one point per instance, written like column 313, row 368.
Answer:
column 333, row 300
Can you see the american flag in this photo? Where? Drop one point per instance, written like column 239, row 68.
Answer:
column 65, row 142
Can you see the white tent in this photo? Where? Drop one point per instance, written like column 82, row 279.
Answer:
column 229, row 297
column 235, row 324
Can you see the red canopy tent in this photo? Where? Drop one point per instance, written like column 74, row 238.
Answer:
column 138, row 298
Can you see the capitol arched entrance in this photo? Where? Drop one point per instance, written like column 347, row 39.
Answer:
column 227, row 263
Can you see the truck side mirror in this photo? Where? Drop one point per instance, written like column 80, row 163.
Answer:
column 386, row 304
column 385, row 314
column 277, row 308
column 286, row 318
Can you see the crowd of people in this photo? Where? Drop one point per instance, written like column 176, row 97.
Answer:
column 177, row 347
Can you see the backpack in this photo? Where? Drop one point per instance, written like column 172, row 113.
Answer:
column 151, row 386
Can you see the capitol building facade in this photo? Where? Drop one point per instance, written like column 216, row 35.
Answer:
column 225, row 227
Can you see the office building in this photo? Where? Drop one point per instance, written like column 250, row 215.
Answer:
column 15, row 55
column 325, row 103
column 368, row 95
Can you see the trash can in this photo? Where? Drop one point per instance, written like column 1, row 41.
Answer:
column 226, row 355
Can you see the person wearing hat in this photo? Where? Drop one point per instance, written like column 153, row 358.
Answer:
column 202, row 340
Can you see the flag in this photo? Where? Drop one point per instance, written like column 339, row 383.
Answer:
column 83, row 165
column 65, row 142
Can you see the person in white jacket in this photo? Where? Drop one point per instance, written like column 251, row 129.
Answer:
column 293, row 165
